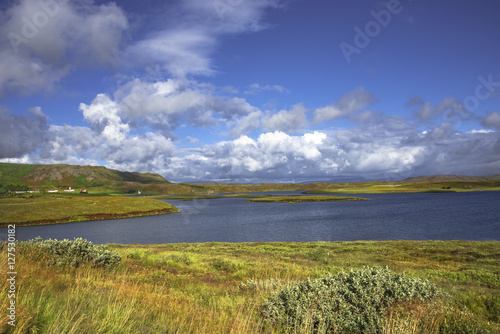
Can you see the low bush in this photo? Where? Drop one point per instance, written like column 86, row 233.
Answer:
column 350, row 302
column 78, row 251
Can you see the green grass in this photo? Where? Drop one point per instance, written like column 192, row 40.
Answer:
column 221, row 287
column 98, row 179
column 190, row 197
column 70, row 208
column 298, row 198
column 376, row 187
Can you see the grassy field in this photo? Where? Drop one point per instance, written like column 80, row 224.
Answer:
column 48, row 209
column 397, row 187
column 98, row 179
column 220, row 287
column 190, row 197
column 292, row 199
column 261, row 198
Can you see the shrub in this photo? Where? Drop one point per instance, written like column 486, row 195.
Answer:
column 78, row 251
column 353, row 302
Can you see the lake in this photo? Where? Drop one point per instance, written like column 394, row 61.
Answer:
column 430, row 216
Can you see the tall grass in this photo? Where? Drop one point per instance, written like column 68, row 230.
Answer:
column 221, row 288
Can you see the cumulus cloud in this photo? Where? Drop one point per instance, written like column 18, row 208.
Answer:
column 245, row 124
column 164, row 105
column 21, row 134
column 378, row 151
column 284, row 120
column 492, row 120
column 450, row 108
column 24, row 75
column 287, row 120
column 350, row 102
column 271, row 155
column 41, row 41
column 103, row 116
column 119, row 149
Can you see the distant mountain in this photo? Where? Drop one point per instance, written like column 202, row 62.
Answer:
column 48, row 177
column 440, row 178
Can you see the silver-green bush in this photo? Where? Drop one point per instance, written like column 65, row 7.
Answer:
column 78, row 251
column 350, row 302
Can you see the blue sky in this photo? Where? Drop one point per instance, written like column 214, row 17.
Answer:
column 253, row 91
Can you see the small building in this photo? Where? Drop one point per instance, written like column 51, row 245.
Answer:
column 69, row 190
column 83, row 191
column 53, row 191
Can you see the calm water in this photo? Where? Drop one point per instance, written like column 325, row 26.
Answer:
column 455, row 216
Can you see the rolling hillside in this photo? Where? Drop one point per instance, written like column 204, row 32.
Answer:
column 96, row 178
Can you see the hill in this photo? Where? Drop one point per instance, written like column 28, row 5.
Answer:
column 441, row 178
column 97, row 178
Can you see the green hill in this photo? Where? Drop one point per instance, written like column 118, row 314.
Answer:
column 96, row 178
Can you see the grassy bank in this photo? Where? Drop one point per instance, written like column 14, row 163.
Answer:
column 49, row 209
column 380, row 187
column 190, row 197
column 220, row 287
column 292, row 199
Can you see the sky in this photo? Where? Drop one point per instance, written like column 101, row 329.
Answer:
column 253, row 91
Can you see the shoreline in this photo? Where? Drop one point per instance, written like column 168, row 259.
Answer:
column 93, row 217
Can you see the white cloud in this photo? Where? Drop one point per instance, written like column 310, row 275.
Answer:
column 370, row 152
column 103, row 115
column 167, row 104
column 287, row 120
column 180, row 52
column 348, row 103
column 245, row 124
